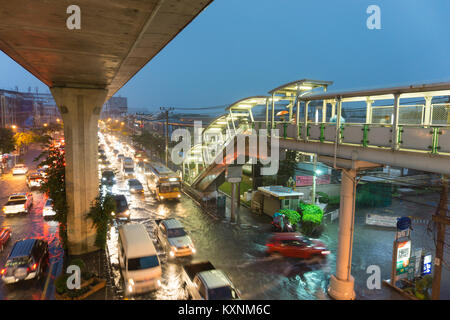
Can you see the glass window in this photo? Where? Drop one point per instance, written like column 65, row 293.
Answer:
column 178, row 232
column 143, row 263
column 202, row 289
column 222, row 293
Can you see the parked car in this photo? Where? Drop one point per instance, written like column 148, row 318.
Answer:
column 34, row 180
column 48, row 210
column 174, row 239
column 139, row 263
column 293, row 244
column 5, row 235
column 122, row 211
column 28, row 260
column 42, row 172
column 204, row 282
column 108, row 177
column 135, row 186
column 18, row 203
column 20, row 169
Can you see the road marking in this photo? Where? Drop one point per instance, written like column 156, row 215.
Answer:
column 44, row 292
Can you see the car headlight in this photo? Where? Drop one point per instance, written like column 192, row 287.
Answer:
column 103, row 179
column 127, row 213
column 193, row 250
column 172, row 253
column 158, row 283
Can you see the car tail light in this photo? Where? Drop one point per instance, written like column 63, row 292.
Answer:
column 3, row 271
column 269, row 245
column 34, row 267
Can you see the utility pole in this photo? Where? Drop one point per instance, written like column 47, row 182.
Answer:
column 441, row 219
column 166, row 114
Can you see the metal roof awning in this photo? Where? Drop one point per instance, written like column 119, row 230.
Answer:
column 247, row 103
column 300, row 85
column 412, row 91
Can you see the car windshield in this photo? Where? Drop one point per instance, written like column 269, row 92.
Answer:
column 221, row 293
column 18, row 261
column 129, row 170
column 108, row 174
column 174, row 233
column 134, row 183
column 143, row 263
column 17, row 198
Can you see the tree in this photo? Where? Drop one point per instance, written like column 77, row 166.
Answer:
column 54, row 185
column 287, row 166
column 7, row 143
column 23, row 139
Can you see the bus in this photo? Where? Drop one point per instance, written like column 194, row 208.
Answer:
column 163, row 182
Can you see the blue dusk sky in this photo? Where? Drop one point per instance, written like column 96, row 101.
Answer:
column 240, row 48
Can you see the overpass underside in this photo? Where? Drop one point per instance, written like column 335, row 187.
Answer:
column 83, row 68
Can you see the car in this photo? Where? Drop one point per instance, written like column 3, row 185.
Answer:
column 20, row 169
column 138, row 259
column 48, row 210
column 120, row 157
column 135, row 186
column 18, row 203
column 34, row 180
column 108, row 177
column 122, row 211
column 5, row 235
column 28, row 260
column 42, row 172
column 102, row 158
column 128, row 172
column 292, row 244
column 116, row 152
column 204, row 282
column 174, row 239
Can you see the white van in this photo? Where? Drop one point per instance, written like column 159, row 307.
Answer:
column 140, row 265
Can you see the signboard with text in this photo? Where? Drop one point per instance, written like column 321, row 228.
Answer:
column 403, row 255
column 308, row 180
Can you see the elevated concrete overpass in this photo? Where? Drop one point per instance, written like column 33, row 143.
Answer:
column 83, row 68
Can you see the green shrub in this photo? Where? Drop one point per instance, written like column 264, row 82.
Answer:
column 78, row 262
column 61, row 283
column 292, row 215
column 311, row 219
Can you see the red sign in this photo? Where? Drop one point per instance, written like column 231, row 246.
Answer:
column 308, row 180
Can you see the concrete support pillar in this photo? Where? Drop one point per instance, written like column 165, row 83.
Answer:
column 233, row 202
column 324, row 111
column 80, row 110
column 395, row 124
column 342, row 284
column 333, row 108
column 369, row 111
column 428, row 116
column 305, row 127
column 272, row 125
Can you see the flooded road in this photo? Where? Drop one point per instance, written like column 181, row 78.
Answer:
column 239, row 250
column 25, row 226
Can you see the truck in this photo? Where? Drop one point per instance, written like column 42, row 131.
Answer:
column 18, row 203
column 204, row 282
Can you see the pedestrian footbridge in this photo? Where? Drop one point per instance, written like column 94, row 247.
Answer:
column 406, row 127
